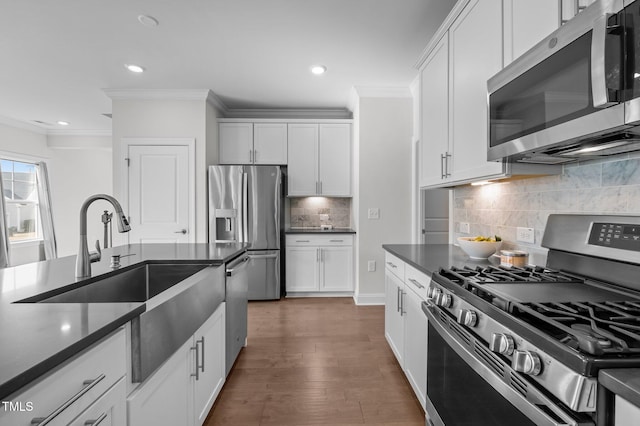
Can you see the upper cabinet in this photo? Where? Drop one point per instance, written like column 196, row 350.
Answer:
column 253, row 143
column 319, row 159
column 528, row 22
column 470, row 48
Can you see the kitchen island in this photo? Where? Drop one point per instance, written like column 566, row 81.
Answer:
column 37, row 337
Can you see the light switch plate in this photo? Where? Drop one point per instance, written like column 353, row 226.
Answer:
column 525, row 235
column 373, row 213
column 371, row 266
column 464, row 227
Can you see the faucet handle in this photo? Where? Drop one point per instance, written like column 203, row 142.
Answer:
column 97, row 255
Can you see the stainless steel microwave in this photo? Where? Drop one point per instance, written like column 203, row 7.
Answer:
column 575, row 94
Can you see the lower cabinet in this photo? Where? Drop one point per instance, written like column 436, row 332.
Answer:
column 319, row 263
column 405, row 325
column 183, row 389
column 88, row 387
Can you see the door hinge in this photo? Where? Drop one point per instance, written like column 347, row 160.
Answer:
column 128, row 160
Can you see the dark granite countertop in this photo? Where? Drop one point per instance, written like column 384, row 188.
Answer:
column 428, row 258
column 319, row 231
column 624, row 382
column 36, row 337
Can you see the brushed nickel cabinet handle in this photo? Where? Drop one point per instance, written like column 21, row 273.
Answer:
column 88, row 385
column 97, row 421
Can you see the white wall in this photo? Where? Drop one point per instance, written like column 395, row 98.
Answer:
column 158, row 118
column 384, row 152
column 79, row 166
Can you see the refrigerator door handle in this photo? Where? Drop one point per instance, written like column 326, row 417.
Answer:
column 263, row 256
column 245, row 206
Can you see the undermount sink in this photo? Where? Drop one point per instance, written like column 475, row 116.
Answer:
column 178, row 298
column 132, row 285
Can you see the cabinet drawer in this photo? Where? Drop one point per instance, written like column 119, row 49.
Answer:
column 319, row 240
column 61, row 395
column 109, row 410
column 394, row 265
column 416, row 280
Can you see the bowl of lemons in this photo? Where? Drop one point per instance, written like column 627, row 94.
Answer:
column 480, row 247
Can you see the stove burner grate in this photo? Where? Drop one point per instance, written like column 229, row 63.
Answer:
column 596, row 328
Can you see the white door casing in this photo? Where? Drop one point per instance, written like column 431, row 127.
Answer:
column 159, row 189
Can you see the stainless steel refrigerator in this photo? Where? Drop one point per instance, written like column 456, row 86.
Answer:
column 245, row 205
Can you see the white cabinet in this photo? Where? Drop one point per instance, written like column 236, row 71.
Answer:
column 89, row 385
column 183, row 389
column 527, row 22
column 405, row 324
column 469, row 49
column 252, row 143
column 319, row 263
column 319, row 159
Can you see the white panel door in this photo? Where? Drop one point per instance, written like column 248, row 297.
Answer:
column 159, row 201
column 303, row 160
column 334, row 160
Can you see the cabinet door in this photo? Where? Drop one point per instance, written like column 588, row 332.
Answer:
column 336, row 269
column 393, row 321
column 236, row 143
column 526, row 22
column 302, row 269
column 334, row 160
column 303, row 159
column 270, row 143
column 475, row 54
column 434, row 101
column 210, row 342
column 166, row 397
column 108, row 410
column 415, row 344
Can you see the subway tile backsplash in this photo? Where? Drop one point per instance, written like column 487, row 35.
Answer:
column 312, row 212
column 596, row 187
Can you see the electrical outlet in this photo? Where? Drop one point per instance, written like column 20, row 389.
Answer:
column 525, row 235
column 371, row 266
column 464, row 227
column 373, row 213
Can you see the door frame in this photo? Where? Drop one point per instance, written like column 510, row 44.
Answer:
column 190, row 143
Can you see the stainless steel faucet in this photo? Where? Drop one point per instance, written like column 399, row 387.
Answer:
column 84, row 259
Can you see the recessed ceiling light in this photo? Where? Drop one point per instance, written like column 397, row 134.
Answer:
column 63, row 123
column 148, row 21
column 134, row 68
column 318, row 69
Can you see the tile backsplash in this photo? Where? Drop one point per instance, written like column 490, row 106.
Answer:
column 595, row 187
column 311, row 212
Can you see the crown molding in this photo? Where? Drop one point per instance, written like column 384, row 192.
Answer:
column 79, row 132
column 153, row 94
column 414, row 87
column 383, row 92
column 293, row 113
column 11, row 122
column 216, row 102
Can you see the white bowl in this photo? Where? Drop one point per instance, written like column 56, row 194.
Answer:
column 478, row 249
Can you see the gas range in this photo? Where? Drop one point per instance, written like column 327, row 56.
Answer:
column 551, row 329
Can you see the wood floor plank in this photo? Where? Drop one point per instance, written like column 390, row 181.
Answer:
column 316, row 361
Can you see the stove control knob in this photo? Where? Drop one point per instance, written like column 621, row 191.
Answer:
column 502, row 343
column 444, row 300
column 432, row 292
column 468, row 318
column 527, row 362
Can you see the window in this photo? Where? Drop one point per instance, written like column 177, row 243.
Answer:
column 21, row 200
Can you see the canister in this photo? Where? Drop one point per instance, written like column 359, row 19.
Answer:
column 515, row 258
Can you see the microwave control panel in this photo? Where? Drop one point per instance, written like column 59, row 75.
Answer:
column 616, row 235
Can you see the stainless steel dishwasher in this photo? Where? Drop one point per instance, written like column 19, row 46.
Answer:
column 236, row 297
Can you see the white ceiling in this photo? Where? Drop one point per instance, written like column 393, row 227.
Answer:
column 57, row 57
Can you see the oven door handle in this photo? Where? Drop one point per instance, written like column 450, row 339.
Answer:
column 528, row 405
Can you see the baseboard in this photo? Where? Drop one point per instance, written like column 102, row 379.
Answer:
column 319, row 294
column 369, row 299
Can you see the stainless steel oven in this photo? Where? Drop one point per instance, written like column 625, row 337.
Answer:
column 575, row 94
column 525, row 346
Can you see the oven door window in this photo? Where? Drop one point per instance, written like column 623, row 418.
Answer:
column 460, row 396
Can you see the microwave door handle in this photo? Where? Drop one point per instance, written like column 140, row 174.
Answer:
column 603, row 96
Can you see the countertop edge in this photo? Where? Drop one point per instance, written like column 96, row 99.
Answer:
column 617, row 381
column 320, row 231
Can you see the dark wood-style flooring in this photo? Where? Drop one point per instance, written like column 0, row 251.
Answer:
column 316, row 361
